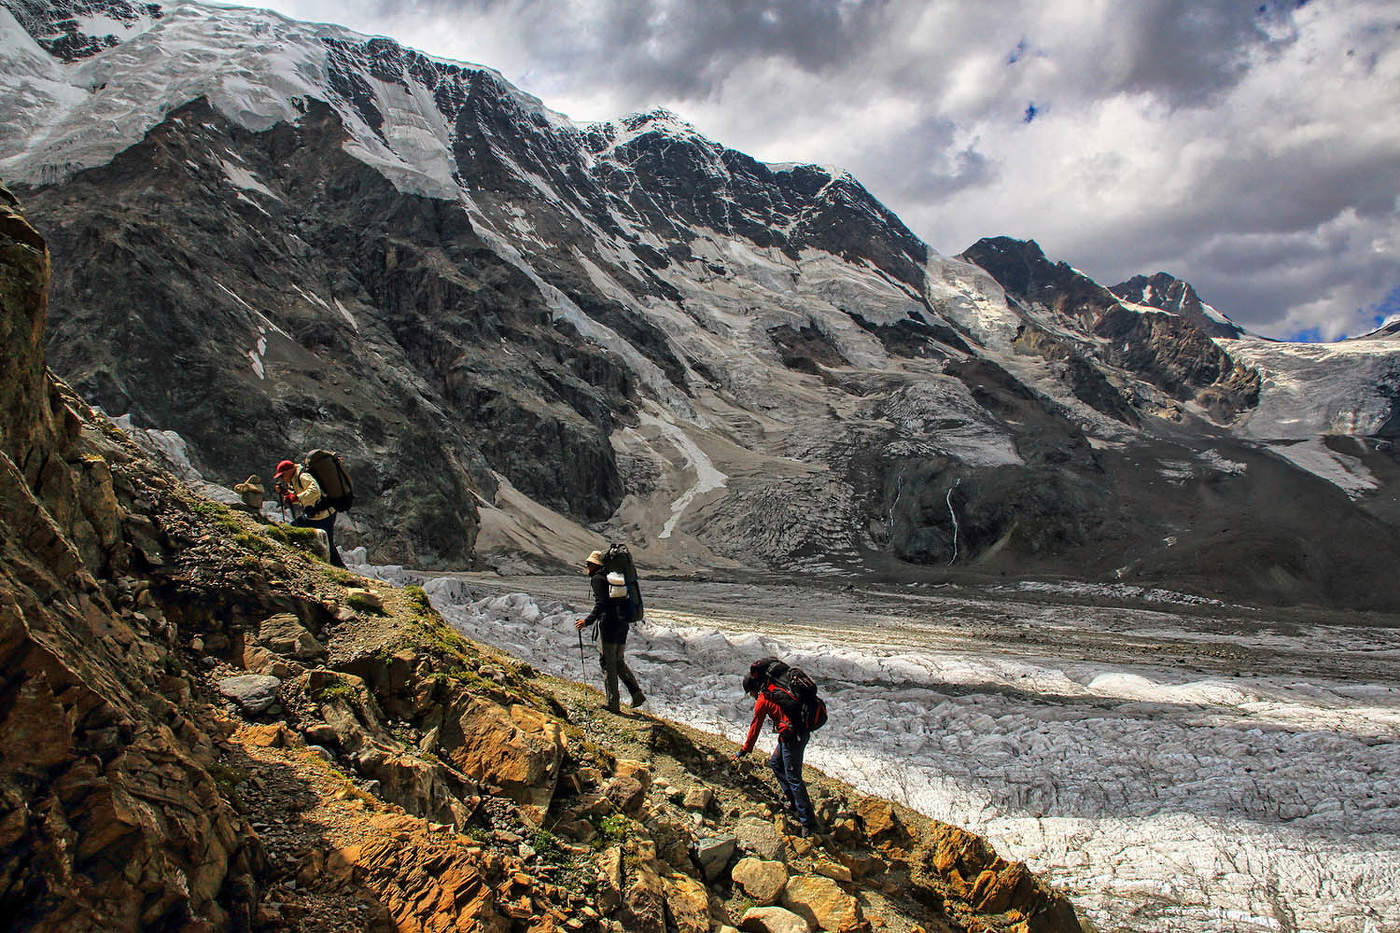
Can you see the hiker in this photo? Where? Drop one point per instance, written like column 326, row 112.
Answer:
column 296, row 486
column 613, row 617
column 251, row 491
column 786, row 760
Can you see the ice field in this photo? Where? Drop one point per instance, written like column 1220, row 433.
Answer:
column 1158, row 797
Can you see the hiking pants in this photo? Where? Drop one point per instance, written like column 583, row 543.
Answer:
column 327, row 525
column 614, row 665
column 786, row 762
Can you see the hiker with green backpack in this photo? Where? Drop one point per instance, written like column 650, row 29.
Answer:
column 788, row 697
column 318, row 489
column 616, row 605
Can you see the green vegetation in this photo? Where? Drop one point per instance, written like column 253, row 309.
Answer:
column 340, row 689
column 226, row 781
column 613, row 829
column 442, row 640
column 546, row 846
column 364, row 602
column 419, row 599
column 251, row 541
column 303, row 539
column 343, row 577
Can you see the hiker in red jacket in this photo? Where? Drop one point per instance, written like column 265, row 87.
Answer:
column 786, row 760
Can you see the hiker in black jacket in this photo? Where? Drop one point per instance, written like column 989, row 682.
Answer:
column 613, row 618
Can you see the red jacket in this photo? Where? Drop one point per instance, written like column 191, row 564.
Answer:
column 765, row 707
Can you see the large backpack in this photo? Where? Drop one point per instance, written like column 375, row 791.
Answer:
column 617, row 560
column 337, row 490
column 794, row 692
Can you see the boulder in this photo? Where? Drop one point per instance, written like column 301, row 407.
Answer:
column 644, row 901
column 259, row 660
column 687, row 904
column 364, row 599
column 760, row 838
column 518, row 749
column 882, row 823
column 254, row 693
column 697, row 797
column 761, row 880
column 714, row 854
column 822, row 902
column 773, row 920
column 626, row 793
column 626, row 767
column 610, row 881
column 833, row 870
column 284, row 634
column 270, row 736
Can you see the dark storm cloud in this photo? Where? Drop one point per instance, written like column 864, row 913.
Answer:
column 1184, row 52
column 1190, row 52
column 678, row 48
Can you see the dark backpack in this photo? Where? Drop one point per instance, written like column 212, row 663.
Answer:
column 794, row 692
column 337, row 490
column 618, row 559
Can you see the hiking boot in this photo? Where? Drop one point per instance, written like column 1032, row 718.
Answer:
column 638, row 699
column 612, row 708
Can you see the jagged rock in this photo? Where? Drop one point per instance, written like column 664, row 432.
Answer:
column 761, row 880
column 259, row 660
column 971, row 870
column 996, row 891
column 626, row 793
column 714, row 854
column 269, row 736
column 517, row 748
column 697, row 797
column 773, row 920
column 833, row 870
column 636, row 770
column 284, row 634
column 644, row 901
column 427, row 885
column 824, row 904
column 422, row 786
column 610, row 888
column 881, row 822
column 253, row 692
column 760, row 838
column 687, row 904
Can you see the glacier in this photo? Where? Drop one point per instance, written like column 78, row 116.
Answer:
column 1157, row 798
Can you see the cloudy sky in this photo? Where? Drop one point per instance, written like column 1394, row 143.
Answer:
column 1252, row 148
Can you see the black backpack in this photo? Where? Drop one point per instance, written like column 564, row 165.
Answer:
column 618, row 559
column 337, row 490
column 794, row 692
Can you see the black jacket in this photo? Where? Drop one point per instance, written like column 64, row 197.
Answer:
column 612, row 615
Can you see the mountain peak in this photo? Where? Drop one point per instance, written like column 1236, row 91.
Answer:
column 1165, row 292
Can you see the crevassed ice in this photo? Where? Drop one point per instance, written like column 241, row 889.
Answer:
column 1238, row 803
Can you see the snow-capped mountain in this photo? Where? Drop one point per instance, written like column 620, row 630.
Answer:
column 526, row 333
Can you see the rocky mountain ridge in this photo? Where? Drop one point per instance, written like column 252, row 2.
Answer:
column 525, row 334
column 207, row 727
